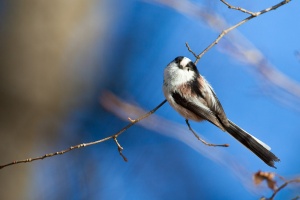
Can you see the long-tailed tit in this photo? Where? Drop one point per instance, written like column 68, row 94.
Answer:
column 192, row 96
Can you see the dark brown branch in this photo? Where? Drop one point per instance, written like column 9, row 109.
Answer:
column 203, row 141
column 226, row 31
column 114, row 137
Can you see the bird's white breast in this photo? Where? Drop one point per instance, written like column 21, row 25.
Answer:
column 173, row 76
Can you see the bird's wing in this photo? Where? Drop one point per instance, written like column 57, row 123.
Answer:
column 217, row 108
column 198, row 108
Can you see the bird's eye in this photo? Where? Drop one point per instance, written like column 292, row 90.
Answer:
column 190, row 66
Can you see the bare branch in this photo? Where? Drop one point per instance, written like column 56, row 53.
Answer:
column 226, row 31
column 238, row 8
column 190, row 50
column 287, row 90
column 132, row 122
column 203, row 141
column 114, row 137
column 283, row 186
column 270, row 178
column 179, row 132
column 120, row 149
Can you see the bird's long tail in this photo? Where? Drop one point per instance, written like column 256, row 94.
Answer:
column 255, row 145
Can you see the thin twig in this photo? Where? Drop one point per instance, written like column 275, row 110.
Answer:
column 238, row 8
column 132, row 122
column 190, row 50
column 283, row 186
column 269, row 177
column 203, row 141
column 226, row 31
column 120, row 149
column 114, row 136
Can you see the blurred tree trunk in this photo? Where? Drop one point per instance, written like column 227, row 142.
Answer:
column 39, row 63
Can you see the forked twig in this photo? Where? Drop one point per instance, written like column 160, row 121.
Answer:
column 120, row 149
column 270, row 179
column 114, row 137
column 226, row 31
column 132, row 122
column 238, row 8
column 283, row 186
column 190, row 50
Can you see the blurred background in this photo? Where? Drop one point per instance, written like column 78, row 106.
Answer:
column 70, row 69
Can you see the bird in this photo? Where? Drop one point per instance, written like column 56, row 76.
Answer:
column 190, row 94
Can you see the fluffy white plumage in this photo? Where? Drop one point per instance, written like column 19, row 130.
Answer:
column 174, row 76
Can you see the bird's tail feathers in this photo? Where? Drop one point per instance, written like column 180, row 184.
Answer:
column 255, row 145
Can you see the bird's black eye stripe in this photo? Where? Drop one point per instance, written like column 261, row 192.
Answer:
column 178, row 59
column 190, row 65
